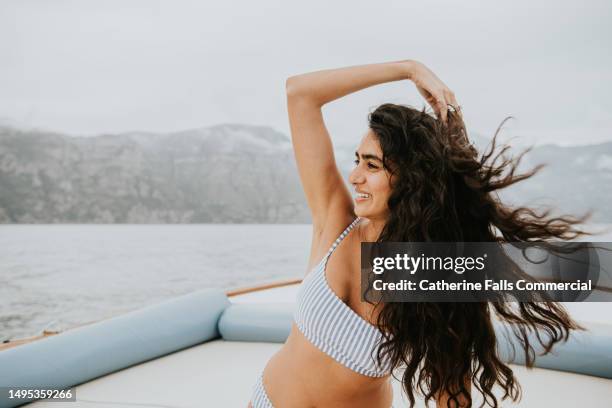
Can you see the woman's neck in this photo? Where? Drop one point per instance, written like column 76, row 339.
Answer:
column 370, row 229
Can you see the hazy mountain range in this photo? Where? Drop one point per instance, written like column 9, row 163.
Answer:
column 228, row 173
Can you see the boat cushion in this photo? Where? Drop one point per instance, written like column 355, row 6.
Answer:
column 587, row 352
column 84, row 353
column 259, row 322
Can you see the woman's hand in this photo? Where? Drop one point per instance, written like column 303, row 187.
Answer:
column 435, row 92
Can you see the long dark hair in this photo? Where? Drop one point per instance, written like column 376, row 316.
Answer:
column 442, row 191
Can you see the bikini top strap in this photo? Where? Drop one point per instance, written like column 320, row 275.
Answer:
column 340, row 238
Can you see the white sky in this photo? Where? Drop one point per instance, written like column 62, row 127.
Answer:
column 87, row 67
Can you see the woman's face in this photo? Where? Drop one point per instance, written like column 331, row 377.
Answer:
column 370, row 178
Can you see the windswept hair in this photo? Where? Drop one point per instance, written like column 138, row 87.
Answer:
column 442, row 191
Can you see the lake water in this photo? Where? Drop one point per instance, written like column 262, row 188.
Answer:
column 59, row 276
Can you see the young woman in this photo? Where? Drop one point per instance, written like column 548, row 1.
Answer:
column 416, row 178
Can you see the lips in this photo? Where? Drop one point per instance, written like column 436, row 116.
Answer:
column 361, row 196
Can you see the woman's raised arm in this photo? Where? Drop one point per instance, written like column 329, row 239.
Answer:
column 325, row 190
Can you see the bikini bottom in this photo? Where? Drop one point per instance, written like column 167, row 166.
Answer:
column 260, row 397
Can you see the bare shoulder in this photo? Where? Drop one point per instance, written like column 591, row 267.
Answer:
column 344, row 265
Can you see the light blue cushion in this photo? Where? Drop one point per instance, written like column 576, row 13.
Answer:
column 261, row 322
column 584, row 353
column 587, row 352
column 88, row 352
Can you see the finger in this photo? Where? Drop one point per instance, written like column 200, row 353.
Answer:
column 436, row 101
column 450, row 98
column 442, row 108
column 432, row 102
column 455, row 104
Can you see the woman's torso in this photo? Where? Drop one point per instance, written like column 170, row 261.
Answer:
column 300, row 374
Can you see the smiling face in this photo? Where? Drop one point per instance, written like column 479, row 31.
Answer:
column 370, row 180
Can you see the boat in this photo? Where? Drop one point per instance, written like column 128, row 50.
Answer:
column 206, row 349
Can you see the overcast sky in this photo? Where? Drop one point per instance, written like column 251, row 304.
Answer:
column 88, row 67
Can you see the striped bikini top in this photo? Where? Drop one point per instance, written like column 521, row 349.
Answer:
column 333, row 327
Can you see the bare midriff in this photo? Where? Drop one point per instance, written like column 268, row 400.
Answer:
column 301, row 375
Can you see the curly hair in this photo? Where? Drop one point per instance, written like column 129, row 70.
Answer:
column 442, row 191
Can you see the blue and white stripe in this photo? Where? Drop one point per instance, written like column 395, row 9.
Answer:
column 260, row 397
column 333, row 327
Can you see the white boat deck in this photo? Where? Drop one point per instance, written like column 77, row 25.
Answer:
column 222, row 373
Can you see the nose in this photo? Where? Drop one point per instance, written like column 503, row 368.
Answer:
column 356, row 176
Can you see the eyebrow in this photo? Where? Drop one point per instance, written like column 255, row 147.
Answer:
column 369, row 156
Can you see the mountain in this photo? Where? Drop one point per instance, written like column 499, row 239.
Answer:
column 226, row 173
column 229, row 173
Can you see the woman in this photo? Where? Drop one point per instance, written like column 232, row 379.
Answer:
column 416, row 178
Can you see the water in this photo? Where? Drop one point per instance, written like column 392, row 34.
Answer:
column 60, row 276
